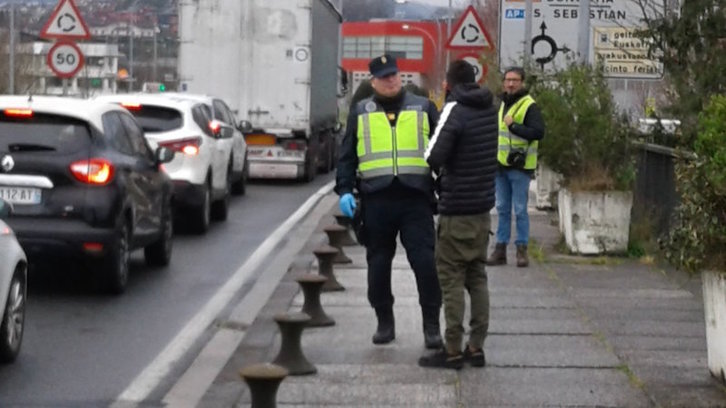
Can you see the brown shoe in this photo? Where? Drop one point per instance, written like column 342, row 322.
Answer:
column 522, row 259
column 499, row 256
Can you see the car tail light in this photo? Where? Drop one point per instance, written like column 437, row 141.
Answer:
column 294, row 145
column 6, row 231
column 131, row 105
column 215, row 126
column 188, row 146
column 93, row 247
column 260, row 139
column 93, row 171
column 18, row 112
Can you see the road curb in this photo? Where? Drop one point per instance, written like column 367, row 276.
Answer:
column 188, row 389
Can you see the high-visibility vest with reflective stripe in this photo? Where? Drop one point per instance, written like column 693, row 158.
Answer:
column 509, row 141
column 392, row 150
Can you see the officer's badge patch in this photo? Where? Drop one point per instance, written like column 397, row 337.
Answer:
column 384, row 60
column 371, row 107
column 391, row 116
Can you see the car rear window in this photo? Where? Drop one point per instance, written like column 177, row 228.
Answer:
column 43, row 133
column 158, row 118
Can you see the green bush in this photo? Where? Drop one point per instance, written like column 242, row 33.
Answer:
column 697, row 240
column 586, row 140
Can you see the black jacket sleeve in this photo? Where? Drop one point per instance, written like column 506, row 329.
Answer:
column 443, row 141
column 533, row 127
column 348, row 160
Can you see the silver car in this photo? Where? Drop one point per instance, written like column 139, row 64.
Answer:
column 13, row 289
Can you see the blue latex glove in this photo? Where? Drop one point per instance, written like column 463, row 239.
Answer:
column 347, row 204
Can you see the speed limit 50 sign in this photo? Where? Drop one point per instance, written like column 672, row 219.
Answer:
column 65, row 59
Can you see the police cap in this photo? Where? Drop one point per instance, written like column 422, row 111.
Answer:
column 383, row 66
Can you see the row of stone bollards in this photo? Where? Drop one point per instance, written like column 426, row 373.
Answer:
column 264, row 379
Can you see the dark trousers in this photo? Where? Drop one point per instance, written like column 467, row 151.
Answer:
column 408, row 212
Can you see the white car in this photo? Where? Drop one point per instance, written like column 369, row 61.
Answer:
column 13, row 289
column 203, row 168
column 222, row 113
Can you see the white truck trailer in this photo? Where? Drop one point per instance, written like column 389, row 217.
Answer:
column 276, row 63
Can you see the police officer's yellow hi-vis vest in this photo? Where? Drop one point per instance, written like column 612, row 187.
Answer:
column 509, row 141
column 392, row 150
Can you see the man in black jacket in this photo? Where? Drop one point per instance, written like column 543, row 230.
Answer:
column 463, row 152
column 382, row 156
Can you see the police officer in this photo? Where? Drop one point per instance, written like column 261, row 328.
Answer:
column 382, row 155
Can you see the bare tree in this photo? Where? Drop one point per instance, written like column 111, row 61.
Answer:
column 690, row 40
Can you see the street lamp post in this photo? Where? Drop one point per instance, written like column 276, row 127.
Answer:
column 437, row 57
column 11, row 50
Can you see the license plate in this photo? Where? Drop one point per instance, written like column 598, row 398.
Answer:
column 20, row 195
column 291, row 153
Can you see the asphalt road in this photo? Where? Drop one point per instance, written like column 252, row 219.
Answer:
column 82, row 348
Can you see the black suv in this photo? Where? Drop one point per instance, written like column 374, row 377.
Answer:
column 84, row 184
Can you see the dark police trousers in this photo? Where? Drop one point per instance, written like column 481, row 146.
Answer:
column 408, row 211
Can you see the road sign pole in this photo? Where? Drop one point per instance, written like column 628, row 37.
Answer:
column 65, row 87
column 583, row 35
column 448, row 34
column 527, row 32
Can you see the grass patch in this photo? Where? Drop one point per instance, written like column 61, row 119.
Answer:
column 561, row 246
column 536, row 251
column 634, row 380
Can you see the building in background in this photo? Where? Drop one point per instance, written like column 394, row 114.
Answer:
column 417, row 45
column 99, row 74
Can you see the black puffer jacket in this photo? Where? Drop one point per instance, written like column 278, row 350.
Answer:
column 463, row 151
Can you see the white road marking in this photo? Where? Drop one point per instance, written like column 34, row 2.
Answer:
column 157, row 370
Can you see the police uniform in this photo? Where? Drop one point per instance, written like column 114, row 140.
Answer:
column 382, row 156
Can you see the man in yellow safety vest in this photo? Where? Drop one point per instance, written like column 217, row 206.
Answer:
column 521, row 127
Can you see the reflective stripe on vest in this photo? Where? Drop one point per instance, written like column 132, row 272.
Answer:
column 509, row 141
column 385, row 150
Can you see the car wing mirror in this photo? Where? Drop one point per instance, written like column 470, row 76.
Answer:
column 164, row 155
column 245, row 126
column 6, row 209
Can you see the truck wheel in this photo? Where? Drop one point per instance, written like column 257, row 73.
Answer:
column 311, row 168
column 327, row 164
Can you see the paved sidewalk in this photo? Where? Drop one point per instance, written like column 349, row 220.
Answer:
column 567, row 331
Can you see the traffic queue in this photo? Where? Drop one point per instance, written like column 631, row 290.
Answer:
column 87, row 181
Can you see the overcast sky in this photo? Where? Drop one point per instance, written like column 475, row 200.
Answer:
column 455, row 3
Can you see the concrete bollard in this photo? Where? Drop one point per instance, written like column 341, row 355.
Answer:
column 325, row 255
column 346, row 222
column 291, row 355
column 263, row 381
column 311, row 285
column 336, row 235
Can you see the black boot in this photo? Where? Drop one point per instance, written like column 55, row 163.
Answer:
column 431, row 329
column 386, row 331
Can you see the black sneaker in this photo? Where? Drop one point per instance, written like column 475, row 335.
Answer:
column 442, row 359
column 475, row 358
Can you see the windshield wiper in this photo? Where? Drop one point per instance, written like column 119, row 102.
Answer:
column 29, row 147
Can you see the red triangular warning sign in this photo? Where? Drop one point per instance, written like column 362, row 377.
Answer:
column 65, row 23
column 469, row 33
